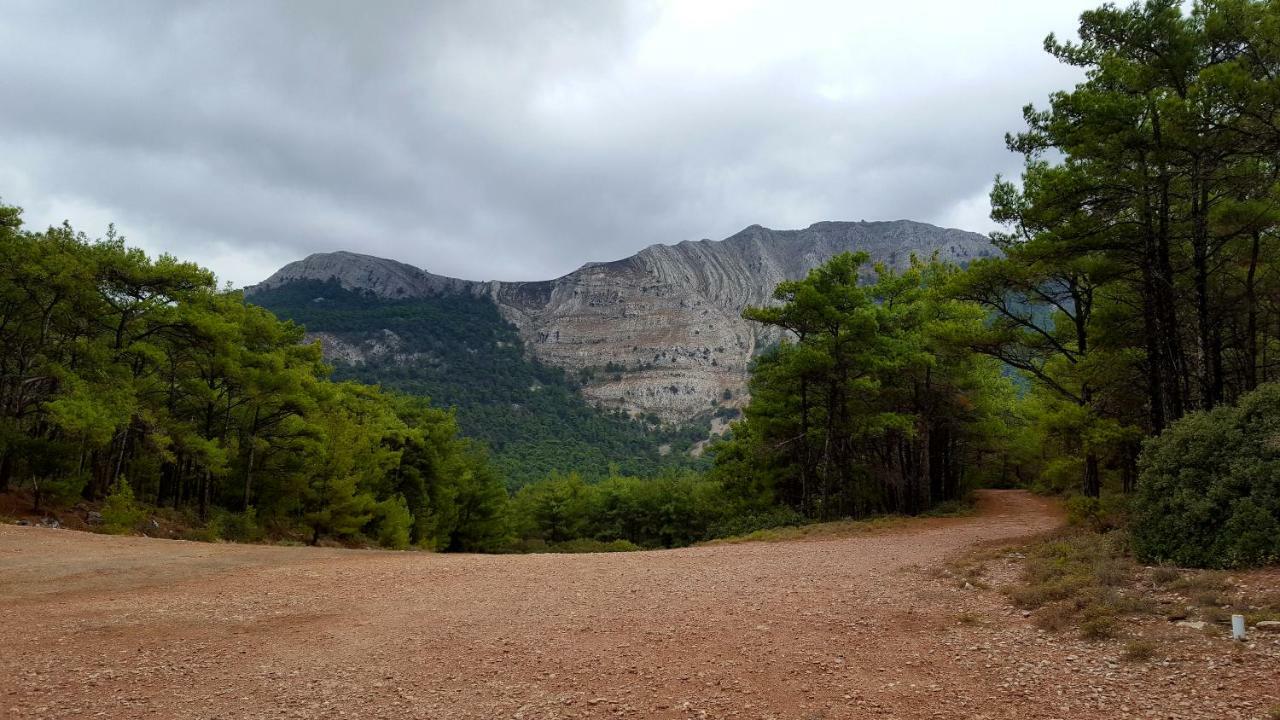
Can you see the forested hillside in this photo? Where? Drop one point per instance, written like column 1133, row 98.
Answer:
column 457, row 350
column 139, row 381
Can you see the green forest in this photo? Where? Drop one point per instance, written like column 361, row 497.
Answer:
column 464, row 355
column 1123, row 351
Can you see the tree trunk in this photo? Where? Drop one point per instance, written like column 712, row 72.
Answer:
column 1166, row 306
column 1155, row 355
column 806, row 458
column 1210, row 355
column 203, row 491
column 1129, row 469
column 6, row 469
column 1092, row 476
column 1251, row 316
column 248, row 477
column 124, row 443
column 938, row 464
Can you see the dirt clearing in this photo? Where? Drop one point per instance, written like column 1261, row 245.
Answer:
column 861, row 627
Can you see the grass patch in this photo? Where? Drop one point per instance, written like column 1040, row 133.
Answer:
column 1215, row 615
column 579, row 545
column 1165, row 575
column 1098, row 622
column 953, row 508
column 845, row 528
column 1200, row 583
column 1086, row 582
column 1139, row 650
column 1074, row 579
column 814, row 531
column 968, row 575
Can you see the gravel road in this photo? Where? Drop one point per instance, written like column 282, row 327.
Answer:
column 858, row 627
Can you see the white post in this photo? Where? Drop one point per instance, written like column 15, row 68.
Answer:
column 1237, row 627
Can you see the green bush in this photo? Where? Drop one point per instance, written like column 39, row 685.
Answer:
column 121, row 513
column 1209, row 487
column 1110, row 512
column 241, row 526
column 584, row 545
column 59, row 491
column 672, row 510
column 747, row 523
column 1084, row 511
column 393, row 523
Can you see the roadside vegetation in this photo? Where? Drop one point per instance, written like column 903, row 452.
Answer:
column 1082, row 582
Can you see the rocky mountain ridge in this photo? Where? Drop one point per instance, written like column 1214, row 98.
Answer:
column 659, row 332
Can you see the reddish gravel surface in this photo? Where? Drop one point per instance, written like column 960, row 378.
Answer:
column 865, row 626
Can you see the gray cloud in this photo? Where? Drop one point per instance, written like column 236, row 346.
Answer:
column 511, row 140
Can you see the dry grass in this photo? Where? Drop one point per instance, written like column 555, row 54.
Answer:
column 1139, row 650
column 1079, row 579
column 1200, row 582
column 1087, row 582
column 815, row 531
column 1261, row 607
column 1213, row 596
column 837, row 529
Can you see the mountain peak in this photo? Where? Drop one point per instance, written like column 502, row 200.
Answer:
column 670, row 316
column 383, row 277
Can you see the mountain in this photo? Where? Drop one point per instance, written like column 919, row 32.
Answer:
column 456, row 349
column 657, row 335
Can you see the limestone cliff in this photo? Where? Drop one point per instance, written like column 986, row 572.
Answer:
column 661, row 331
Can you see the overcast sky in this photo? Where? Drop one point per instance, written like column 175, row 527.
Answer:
column 507, row 139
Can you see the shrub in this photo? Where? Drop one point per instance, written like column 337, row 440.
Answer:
column 1139, row 650
column 1098, row 514
column 1072, row 580
column 393, row 521
column 1209, row 487
column 671, row 510
column 223, row 525
column 121, row 513
column 1097, row 622
column 241, row 526
column 747, row 523
column 586, row 545
column 1084, row 511
column 58, row 491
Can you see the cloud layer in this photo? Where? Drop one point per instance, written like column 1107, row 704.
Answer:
column 507, row 139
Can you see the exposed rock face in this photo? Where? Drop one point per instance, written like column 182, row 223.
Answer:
column 661, row 331
column 379, row 346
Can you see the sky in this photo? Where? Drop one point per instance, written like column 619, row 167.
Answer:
column 510, row 139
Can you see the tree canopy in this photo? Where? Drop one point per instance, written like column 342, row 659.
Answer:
column 114, row 365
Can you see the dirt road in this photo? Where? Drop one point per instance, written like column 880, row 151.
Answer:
column 93, row 626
